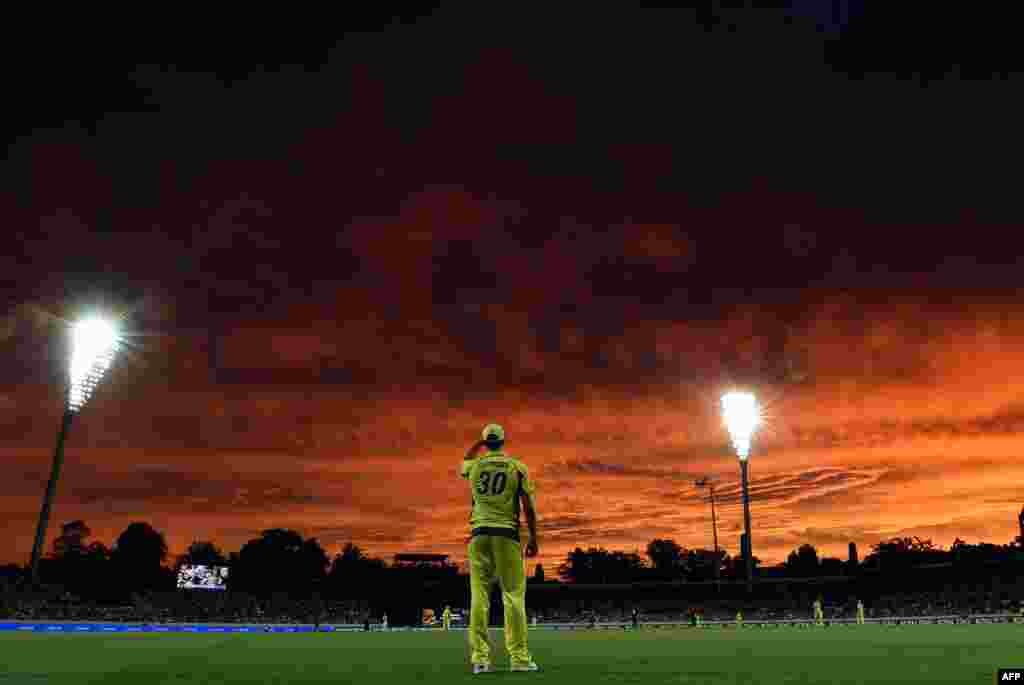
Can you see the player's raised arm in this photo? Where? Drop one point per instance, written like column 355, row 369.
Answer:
column 467, row 461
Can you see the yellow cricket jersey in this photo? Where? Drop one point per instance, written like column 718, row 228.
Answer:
column 496, row 481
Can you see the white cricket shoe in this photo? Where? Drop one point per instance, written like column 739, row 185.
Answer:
column 481, row 668
column 530, row 667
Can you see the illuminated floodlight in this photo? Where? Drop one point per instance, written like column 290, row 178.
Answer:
column 94, row 342
column 742, row 417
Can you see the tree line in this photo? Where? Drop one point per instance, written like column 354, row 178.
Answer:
column 282, row 561
column 666, row 560
column 277, row 561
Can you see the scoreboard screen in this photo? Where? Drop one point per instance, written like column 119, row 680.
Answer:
column 202, row 577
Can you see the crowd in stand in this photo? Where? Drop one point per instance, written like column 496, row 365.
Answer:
column 191, row 607
column 891, row 606
column 214, row 607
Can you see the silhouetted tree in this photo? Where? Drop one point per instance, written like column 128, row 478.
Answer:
column 736, row 569
column 351, row 554
column 352, row 571
column 831, row 566
column 202, row 553
column 629, row 566
column 578, row 566
column 803, row 562
column 138, row 557
column 700, row 564
column 141, row 545
column 598, row 565
column 72, row 539
column 279, row 560
column 668, row 559
column 980, row 555
column 77, row 565
column 353, row 557
column 899, row 554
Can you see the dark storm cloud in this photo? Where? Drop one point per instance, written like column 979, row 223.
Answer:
column 359, row 265
column 585, row 533
column 602, row 468
column 1007, row 421
column 778, row 541
column 562, row 523
column 800, row 488
column 838, row 536
column 358, row 534
column 200, row 491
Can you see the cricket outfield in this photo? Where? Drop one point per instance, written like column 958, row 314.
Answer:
column 842, row 655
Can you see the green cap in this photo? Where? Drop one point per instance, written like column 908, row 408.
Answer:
column 493, row 433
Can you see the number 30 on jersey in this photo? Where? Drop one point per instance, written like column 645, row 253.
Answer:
column 491, row 483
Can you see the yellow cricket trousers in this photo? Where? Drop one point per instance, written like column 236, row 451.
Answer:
column 491, row 558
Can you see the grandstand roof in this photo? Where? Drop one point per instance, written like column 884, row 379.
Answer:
column 419, row 558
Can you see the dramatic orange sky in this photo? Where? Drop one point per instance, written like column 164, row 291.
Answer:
column 906, row 422
column 335, row 276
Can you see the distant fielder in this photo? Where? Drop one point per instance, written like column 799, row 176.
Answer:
column 446, row 618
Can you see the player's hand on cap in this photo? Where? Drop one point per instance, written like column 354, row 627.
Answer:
column 531, row 547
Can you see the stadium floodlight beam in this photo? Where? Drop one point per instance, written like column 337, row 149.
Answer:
column 742, row 417
column 94, row 342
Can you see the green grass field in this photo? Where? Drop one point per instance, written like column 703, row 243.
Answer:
column 845, row 655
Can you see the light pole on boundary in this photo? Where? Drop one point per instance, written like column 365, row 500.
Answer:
column 706, row 482
column 94, row 342
column 742, row 417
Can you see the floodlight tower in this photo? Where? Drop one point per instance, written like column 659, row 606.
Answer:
column 706, row 482
column 94, row 342
column 742, row 417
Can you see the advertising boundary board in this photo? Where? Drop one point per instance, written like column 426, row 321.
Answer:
column 85, row 627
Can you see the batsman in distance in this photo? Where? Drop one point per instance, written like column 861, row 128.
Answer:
column 499, row 484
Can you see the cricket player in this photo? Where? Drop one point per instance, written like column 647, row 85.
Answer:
column 446, row 617
column 819, row 616
column 739, row 619
column 499, row 484
column 384, row 622
column 860, row 613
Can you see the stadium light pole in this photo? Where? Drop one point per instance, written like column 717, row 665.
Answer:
column 742, row 417
column 706, row 482
column 94, row 342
